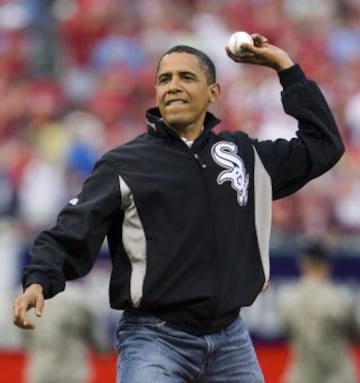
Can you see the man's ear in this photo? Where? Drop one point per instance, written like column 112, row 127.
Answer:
column 214, row 92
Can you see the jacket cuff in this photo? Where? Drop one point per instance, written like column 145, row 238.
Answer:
column 40, row 278
column 291, row 76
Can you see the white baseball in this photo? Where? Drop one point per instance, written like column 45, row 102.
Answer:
column 236, row 39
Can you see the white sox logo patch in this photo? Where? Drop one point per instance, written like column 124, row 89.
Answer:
column 224, row 154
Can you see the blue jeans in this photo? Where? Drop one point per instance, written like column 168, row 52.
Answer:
column 150, row 351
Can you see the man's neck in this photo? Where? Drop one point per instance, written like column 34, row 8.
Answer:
column 190, row 135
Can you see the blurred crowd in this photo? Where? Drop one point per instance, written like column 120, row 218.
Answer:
column 77, row 75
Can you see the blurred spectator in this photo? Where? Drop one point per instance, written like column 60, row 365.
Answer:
column 314, row 10
column 13, row 41
column 87, row 142
column 346, row 206
column 320, row 323
column 344, row 34
column 42, row 191
column 44, row 45
column 82, row 23
column 352, row 117
column 58, row 349
column 10, row 248
column 120, row 46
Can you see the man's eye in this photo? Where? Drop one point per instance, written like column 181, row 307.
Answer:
column 163, row 80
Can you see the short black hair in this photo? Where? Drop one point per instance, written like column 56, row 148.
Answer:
column 205, row 61
column 316, row 252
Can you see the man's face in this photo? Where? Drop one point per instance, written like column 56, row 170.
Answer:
column 182, row 91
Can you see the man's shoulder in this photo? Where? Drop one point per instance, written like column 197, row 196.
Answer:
column 232, row 135
column 133, row 143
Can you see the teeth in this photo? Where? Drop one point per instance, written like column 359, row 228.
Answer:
column 176, row 102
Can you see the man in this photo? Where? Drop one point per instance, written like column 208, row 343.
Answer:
column 319, row 322
column 187, row 215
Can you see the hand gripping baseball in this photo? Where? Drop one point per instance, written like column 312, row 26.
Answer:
column 262, row 53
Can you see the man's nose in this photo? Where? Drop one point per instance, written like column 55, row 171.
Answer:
column 174, row 85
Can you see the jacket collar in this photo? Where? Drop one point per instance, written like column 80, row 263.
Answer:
column 157, row 127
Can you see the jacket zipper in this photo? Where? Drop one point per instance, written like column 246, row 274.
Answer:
column 215, row 263
column 200, row 161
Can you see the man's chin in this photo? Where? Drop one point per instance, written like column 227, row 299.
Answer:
column 176, row 124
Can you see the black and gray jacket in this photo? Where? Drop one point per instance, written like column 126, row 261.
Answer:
column 188, row 228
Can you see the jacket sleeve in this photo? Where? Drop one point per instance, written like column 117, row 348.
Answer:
column 69, row 249
column 318, row 145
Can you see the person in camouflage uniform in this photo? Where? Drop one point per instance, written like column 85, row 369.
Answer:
column 320, row 323
column 57, row 351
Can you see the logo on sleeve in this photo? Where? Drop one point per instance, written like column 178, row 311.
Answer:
column 74, row 201
column 225, row 154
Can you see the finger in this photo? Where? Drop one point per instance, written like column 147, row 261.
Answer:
column 17, row 310
column 244, row 56
column 24, row 324
column 247, row 48
column 21, row 306
column 230, row 54
column 39, row 305
column 250, row 49
column 20, row 319
column 259, row 40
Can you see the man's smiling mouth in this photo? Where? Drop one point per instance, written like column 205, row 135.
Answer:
column 175, row 102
